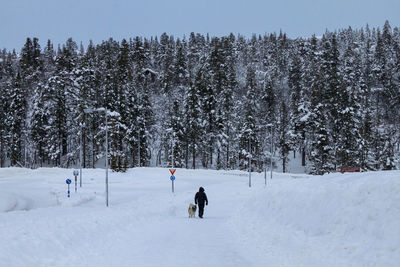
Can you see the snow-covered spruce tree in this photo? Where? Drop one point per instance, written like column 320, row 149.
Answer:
column 249, row 145
column 6, row 89
column 218, row 68
column 87, row 89
column 382, row 67
column 73, row 101
column 349, row 116
column 219, row 81
column 333, row 89
column 388, row 160
column 181, row 73
column 3, row 117
column 365, row 84
column 31, row 71
column 132, row 91
column 226, row 111
column 145, row 122
column 56, row 132
column 296, row 102
column 40, row 111
column 194, row 135
column 166, row 58
column 302, row 118
column 208, row 118
column 387, row 71
column 285, row 135
column 321, row 150
column 194, row 53
column 38, row 123
column 175, row 137
column 321, row 156
column 107, row 54
column 212, row 82
column 48, row 56
column 58, row 97
column 118, row 127
column 268, row 101
column 16, row 120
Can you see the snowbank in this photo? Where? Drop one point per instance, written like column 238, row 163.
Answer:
column 296, row 220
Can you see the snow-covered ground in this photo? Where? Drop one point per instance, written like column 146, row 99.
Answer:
column 296, row 220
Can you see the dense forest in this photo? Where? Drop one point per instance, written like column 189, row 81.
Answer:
column 205, row 102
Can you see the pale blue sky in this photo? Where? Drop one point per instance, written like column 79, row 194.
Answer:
column 98, row 20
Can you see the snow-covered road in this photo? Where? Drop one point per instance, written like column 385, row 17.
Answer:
column 334, row 220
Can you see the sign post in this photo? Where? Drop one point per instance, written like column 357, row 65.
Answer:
column 172, row 171
column 68, row 181
column 76, row 173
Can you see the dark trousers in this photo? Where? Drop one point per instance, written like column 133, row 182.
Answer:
column 201, row 210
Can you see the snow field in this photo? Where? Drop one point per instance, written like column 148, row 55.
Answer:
column 297, row 220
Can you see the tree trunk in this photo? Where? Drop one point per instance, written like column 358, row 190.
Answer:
column 284, row 165
column 194, row 156
column 187, row 156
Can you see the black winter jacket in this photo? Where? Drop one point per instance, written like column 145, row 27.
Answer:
column 201, row 197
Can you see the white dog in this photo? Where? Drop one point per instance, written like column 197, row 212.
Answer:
column 192, row 210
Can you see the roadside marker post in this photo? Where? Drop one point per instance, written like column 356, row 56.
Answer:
column 172, row 171
column 68, row 181
column 76, row 173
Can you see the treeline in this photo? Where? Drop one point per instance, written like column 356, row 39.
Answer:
column 211, row 102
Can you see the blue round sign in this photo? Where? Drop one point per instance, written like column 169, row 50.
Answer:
column 172, row 178
column 68, row 181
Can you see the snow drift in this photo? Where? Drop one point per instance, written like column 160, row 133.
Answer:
column 296, row 220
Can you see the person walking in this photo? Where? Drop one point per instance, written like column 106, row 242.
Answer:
column 200, row 198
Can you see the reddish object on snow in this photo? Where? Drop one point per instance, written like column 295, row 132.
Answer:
column 344, row 169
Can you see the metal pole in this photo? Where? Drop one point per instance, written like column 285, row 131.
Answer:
column 106, row 157
column 173, row 151
column 80, row 159
column 173, row 186
column 265, row 174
